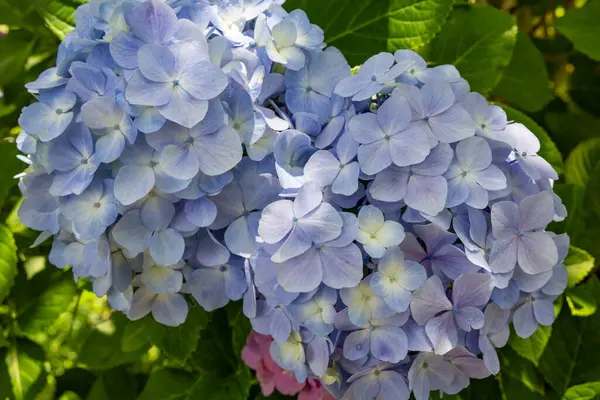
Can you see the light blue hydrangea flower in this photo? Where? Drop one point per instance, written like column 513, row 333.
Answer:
column 51, row 116
column 388, row 137
column 519, row 236
column 431, row 307
column 396, row 278
column 376, row 234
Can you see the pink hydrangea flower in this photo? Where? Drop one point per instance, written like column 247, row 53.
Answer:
column 271, row 376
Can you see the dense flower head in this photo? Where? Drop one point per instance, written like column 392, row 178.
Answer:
column 382, row 228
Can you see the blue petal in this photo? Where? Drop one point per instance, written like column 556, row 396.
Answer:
column 167, row 246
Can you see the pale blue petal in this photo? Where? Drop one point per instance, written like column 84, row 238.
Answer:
column 183, row 109
column 153, row 22
column 441, row 330
column 201, row 212
column 167, row 246
column 342, row 267
column 156, row 63
column 170, row 309
column 157, row 213
column 357, row 345
column 301, row 274
column 429, row 300
column 389, row 343
column 133, row 182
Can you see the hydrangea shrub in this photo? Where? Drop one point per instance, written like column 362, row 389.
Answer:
column 384, row 228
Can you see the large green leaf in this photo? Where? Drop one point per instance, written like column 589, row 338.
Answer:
column 102, row 349
column 568, row 129
column 579, row 264
column 582, row 28
column 571, row 356
column 478, row 389
column 586, row 391
column 548, row 149
column 15, row 48
column 519, row 378
column 8, row 261
column 361, row 29
column 582, row 161
column 525, row 83
column 582, row 299
column 25, row 363
column 11, row 166
column 59, row 15
column 533, row 347
column 116, row 383
column 173, row 384
column 176, row 343
column 479, row 41
column 43, row 299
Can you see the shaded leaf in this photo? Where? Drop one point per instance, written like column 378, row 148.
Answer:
column 582, row 161
column 569, row 129
column 47, row 296
column 533, row 347
column 102, row 349
column 479, row 41
column 579, row 264
column 11, row 166
column 478, row 389
column 59, row 15
column 167, row 383
column 519, row 378
column 116, row 383
column 586, row 391
column 581, row 26
column 525, row 83
column 571, row 356
column 583, row 300
column 362, row 29
column 8, row 262
column 24, row 361
column 15, row 48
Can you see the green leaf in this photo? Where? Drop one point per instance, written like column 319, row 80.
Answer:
column 586, row 391
column 479, row 41
column 102, row 350
column 548, row 149
column 582, row 28
column 571, row 128
column 8, row 262
column 116, row 383
column 579, row 264
column 519, row 378
column 59, row 15
column 25, row 363
column 11, row 166
column 571, row 356
column 582, row 161
column 533, row 347
column 240, row 327
column 15, row 48
column 137, row 334
column 176, row 343
column 478, row 389
column 168, row 384
column 525, row 83
column 582, row 299
column 46, row 297
column 363, row 29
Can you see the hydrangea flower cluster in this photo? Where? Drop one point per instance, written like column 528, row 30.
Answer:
column 383, row 227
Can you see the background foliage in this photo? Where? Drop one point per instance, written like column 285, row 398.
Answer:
column 538, row 59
